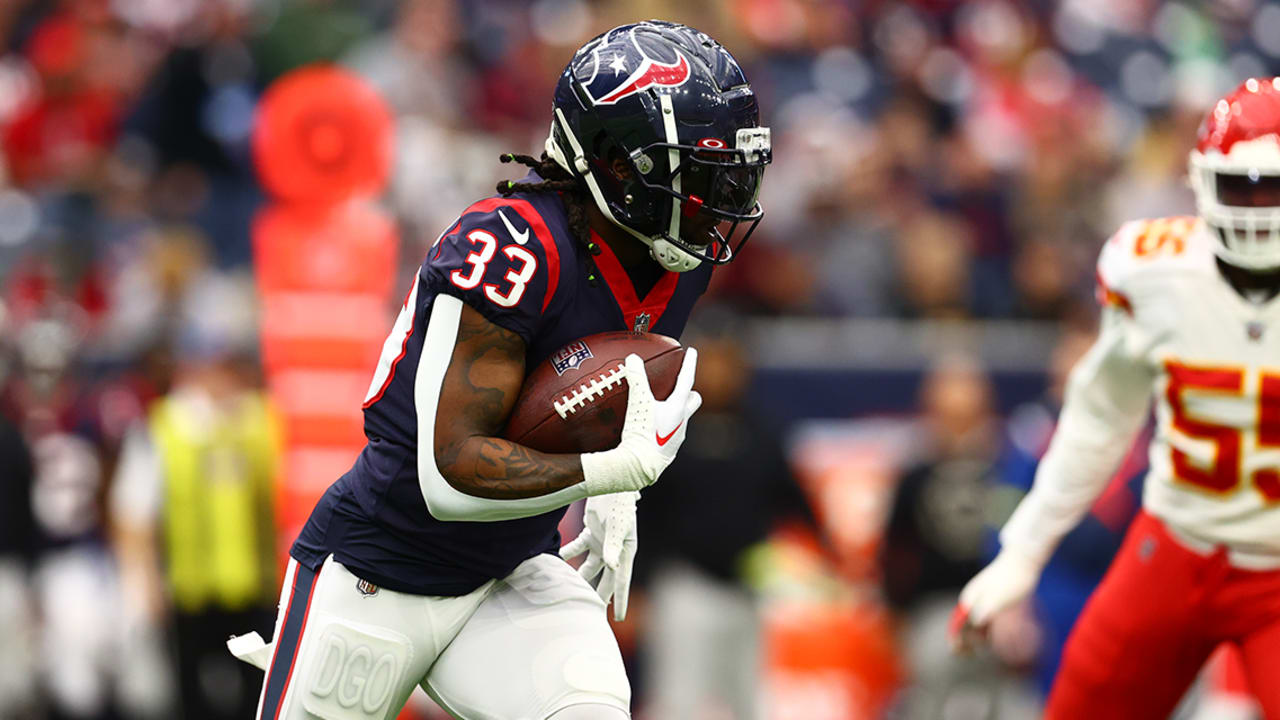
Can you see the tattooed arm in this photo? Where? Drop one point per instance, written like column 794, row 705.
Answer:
column 468, row 377
column 480, row 387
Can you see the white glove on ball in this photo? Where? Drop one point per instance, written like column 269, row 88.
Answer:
column 610, row 541
column 652, row 431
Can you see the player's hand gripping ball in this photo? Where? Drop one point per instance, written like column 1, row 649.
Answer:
column 576, row 400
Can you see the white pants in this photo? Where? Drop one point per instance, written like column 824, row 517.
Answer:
column 17, row 650
column 520, row 648
column 94, row 650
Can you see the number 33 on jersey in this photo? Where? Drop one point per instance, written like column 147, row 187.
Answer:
column 1211, row 363
column 485, row 259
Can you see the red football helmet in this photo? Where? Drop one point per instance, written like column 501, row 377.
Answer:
column 1235, row 173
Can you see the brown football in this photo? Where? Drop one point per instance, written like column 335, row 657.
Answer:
column 576, row 399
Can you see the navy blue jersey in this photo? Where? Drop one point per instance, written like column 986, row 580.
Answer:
column 516, row 262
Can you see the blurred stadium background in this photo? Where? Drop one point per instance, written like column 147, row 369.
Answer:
column 189, row 292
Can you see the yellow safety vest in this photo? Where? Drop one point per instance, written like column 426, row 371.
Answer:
column 219, row 522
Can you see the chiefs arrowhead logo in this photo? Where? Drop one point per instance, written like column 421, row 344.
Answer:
column 651, row 73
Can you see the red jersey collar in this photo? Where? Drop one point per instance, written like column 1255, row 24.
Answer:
column 620, row 286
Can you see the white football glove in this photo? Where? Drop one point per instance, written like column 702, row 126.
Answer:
column 652, row 432
column 1009, row 579
column 610, row 541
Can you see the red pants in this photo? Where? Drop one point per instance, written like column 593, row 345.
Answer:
column 1156, row 617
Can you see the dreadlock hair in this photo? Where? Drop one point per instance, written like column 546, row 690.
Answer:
column 556, row 179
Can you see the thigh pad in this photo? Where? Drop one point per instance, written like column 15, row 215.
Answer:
column 355, row 671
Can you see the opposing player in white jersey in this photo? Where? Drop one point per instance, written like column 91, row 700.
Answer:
column 1190, row 321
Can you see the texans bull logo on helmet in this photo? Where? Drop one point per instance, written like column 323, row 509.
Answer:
column 621, row 66
column 674, row 106
column 649, row 74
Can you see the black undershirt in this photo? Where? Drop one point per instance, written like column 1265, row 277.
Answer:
column 1251, row 284
column 644, row 276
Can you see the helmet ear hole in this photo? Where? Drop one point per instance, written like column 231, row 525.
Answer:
column 620, row 167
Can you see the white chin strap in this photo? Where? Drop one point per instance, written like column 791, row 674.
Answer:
column 663, row 251
column 672, row 257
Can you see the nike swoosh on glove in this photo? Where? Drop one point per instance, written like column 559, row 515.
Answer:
column 609, row 539
column 652, row 431
column 1009, row 579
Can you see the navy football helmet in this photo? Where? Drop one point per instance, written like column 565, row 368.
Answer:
column 673, row 104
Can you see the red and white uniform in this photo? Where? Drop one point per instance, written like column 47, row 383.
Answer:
column 1210, row 358
column 1201, row 565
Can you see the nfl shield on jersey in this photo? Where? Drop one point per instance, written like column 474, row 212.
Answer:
column 514, row 260
column 1214, row 357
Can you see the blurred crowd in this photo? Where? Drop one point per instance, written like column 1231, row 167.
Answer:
column 934, row 159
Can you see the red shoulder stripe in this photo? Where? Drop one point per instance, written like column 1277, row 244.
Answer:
column 1107, row 296
column 439, row 241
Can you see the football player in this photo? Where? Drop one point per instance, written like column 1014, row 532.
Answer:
column 433, row 560
column 1190, row 318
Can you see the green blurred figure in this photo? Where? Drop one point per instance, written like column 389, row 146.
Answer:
column 193, row 508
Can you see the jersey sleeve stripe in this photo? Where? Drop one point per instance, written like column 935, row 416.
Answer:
column 543, row 234
column 1111, row 298
column 410, row 306
column 540, row 230
column 437, row 244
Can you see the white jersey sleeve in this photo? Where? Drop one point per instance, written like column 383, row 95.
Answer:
column 1105, row 405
